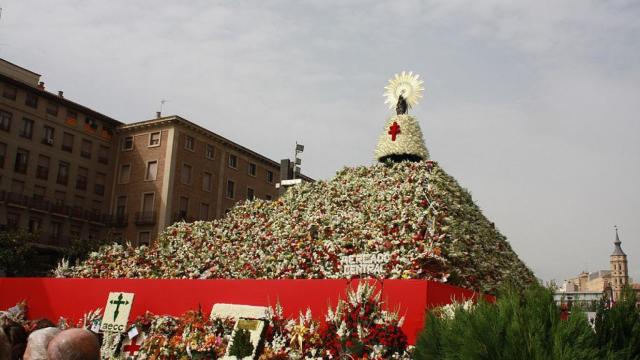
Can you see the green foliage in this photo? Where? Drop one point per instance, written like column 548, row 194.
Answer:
column 16, row 253
column 241, row 345
column 618, row 327
column 523, row 325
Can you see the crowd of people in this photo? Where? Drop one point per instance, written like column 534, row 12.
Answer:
column 42, row 340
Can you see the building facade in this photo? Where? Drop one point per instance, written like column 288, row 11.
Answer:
column 67, row 171
column 169, row 169
column 609, row 283
column 56, row 161
column 619, row 272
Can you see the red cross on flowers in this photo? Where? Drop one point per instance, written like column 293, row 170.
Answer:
column 394, row 130
column 132, row 348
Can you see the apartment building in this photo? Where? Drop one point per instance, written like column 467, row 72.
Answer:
column 56, row 160
column 67, row 171
column 170, row 169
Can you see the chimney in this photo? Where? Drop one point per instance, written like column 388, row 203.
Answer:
column 61, row 93
column 41, row 85
column 158, row 115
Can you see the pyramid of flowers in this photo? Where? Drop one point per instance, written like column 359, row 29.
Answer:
column 412, row 210
column 406, row 207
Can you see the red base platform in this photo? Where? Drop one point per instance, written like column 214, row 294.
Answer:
column 72, row 298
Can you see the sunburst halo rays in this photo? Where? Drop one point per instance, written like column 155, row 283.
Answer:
column 406, row 84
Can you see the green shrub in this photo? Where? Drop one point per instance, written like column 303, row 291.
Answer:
column 241, row 346
column 520, row 325
column 618, row 328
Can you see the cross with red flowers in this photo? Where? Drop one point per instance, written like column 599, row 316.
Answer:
column 394, row 130
column 132, row 348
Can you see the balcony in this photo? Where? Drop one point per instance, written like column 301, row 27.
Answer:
column 76, row 212
column 17, row 199
column 182, row 216
column 145, row 218
column 117, row 220
column 93, row 216
column 39, row 204
column 60, row 209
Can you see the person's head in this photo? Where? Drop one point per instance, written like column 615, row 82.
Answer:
column 41, row 324
column 74, row 344
column 17, row 337
column 5, row 346
column 38, row 342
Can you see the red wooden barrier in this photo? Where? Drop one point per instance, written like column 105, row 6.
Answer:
column 71, row 298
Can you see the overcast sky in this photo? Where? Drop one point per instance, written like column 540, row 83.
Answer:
column 532, row 106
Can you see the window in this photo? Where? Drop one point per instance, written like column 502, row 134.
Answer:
column 22, row 160
column 75, row 230
column 42, row 171
column 63, row 173
column 152, row 170
column 67, row 142
column 127, row 143
column 185, row 174
column 82, row 179
column 125, row 173
column 147, row 203
column 85, row 149
column 206, row 181
column 56, row 230
column 233, row 161
column 268, row 197
column 98, row 187
column 9, row 92
column 154, row 139
column 184, row 208
column 144, row 238
column 121, row 206
column 27, row 128
column 31, row 100
column 72, row 117
column 35, row 224
column 47, row 135
column 189, row 143
column 3, row 154
column 5, row 120
column 209, row 151
column 252, row 169
column 52, row 108
column 59, row 197
column 204, row 211
column 13, row 220
column 39, row 192
column 103, row 154
column 250, row 194
column 91, row 123
column 230, row 189
column 269, row 176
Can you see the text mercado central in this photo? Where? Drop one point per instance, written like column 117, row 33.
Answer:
column 364, row 264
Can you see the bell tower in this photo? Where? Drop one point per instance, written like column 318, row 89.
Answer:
column 619, row 272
